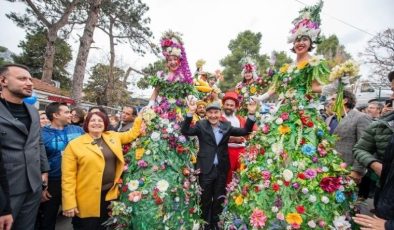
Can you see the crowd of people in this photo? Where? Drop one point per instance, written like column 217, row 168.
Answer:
column 197, row 158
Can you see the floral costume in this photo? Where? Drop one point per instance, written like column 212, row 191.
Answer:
column 291, row 177
column 159, row 188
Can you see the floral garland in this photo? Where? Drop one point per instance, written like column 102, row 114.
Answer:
column 290, row 176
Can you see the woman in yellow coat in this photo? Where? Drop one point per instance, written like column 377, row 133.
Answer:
column 91, row 166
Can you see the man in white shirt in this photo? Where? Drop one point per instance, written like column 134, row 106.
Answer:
column 236, row 145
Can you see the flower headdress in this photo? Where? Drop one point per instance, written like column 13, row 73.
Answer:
column 248, row 65
column 307, row 23
column 172, row 45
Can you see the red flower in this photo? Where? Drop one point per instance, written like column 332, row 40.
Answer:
column 192, row 210
column 301, row 176
column 179, row 149
column 300, row 209
column 275, row 187
column 262, row 151
column 310, row 124
column 167, row 43
column 330, row 184
column 286, row 183
column 284, row 116
column 303, row 141
column 124, row 188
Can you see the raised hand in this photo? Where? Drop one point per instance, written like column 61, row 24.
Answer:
column 252, row 106
column 191, row 103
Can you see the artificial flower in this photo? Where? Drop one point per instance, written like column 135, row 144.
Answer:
column 284, row 68
column 239, row 200
column 308, row 149
column 312, row 224
column 155, row 136
column 294, row 218
column 330, row 184
column 340, row 196
column 279, row 121
column 300, row 209
column 133, row 185
column 135, row 196
column 340, row 223
column 139, row 153
column 325, row 199
column 162, row 185
column 312, row 198
column 284, row 129
column 302, row 64
column 258, row 218
column 287, row 174
column 252, row 89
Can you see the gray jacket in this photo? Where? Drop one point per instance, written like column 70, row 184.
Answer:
column 23, row 151
column 349, row 131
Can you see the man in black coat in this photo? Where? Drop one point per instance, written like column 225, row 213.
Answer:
column 212, row 157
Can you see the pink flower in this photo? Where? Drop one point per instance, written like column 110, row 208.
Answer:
column 135, row 196
column 330, row 184
column 310, row 173
column 266, row 128
column 258, row 218
column 266, row 175
column 284, row 116
column 142, row 164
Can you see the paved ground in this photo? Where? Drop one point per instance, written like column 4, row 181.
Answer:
column 63, row 223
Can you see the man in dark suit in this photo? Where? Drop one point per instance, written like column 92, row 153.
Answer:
column 212, row 158
column 24, row 156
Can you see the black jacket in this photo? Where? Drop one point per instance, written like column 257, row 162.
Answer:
column 384, row 199
column 4, row 190
column 207, row 142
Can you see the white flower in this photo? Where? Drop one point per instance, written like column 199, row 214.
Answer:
column 155, row 136
column 312, row 224
column 274, row 209
column 291, row 68
column 172, row 100
column 305, row 190
column 281, row 96
column 315, row 60
column 312, row 198
column 176, row 52
column 170, row 130
column 301, row 165
column 133, row 185
column 325, row 169
column 279, row 121
column 148, row 152
column 177, row 199
column 295, row 163
column 277, row 148
column 162, row 185
column 165, row 121
column 325, row 199
column 280, row 182
column 269, row 162
column 340, row 223
column 287, row 174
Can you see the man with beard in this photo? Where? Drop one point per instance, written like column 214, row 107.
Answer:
column 200, row 112
column 236, row 145
column 24, row 156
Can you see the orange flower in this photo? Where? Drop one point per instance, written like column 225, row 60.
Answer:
column 294, row 218
column 242, row 167
column 193, row 159
column 239, row 200
column 302, row 64
column 284, row 129
column 139, row 153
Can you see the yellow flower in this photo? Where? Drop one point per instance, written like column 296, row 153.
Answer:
column 139, row 153
column 239, row 200
column 252, row 89
column 302, row 64
column 193, row 159
column 284, row 68
column 284, row 129
column 294, row 218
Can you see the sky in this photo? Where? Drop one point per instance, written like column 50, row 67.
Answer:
column 209, row 25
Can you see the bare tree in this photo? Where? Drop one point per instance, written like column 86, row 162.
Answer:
column 51, row 15
column 124, row 22
column 380, row 53
column 83, row 52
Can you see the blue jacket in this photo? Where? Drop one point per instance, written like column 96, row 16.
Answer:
column 55, row 142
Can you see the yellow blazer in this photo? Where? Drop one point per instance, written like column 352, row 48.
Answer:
column 83, row 166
